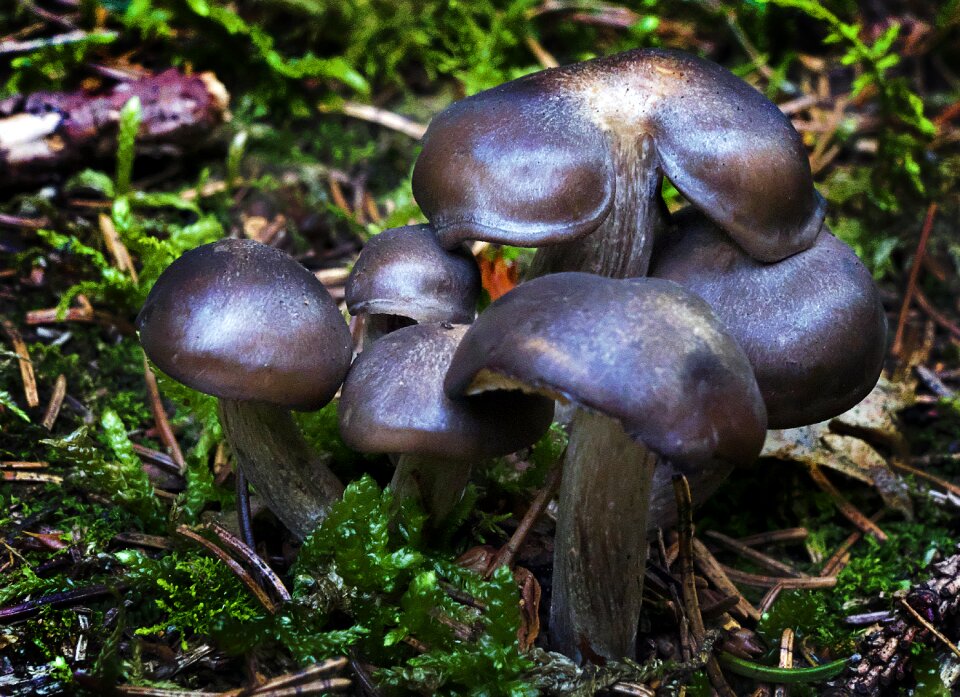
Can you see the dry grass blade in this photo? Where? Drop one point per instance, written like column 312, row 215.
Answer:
column 55, row 403
column 691, row 602
column 933, row 479
column 897, row 348
column 160, row 417
column 26, row 366
column 753, row 555
column 385, row 118
column 299, row 677
column 235, row 567
column 252, row 558
column 786, row 659
column 775, row 537
column 760, row 581
column 31, row 477
column 930, row 628
column 24, row 464
column 116, row 247
column 941, row 319
column 508, row 552
column 712, row 569
column 847, row 509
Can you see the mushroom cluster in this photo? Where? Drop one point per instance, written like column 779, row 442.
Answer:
column 678, row 339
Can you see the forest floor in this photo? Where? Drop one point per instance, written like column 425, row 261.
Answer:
column 121, row 569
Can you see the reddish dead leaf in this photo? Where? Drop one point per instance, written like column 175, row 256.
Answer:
column 498, row 275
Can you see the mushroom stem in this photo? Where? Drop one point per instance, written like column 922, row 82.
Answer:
column 438, row 483
column 293, row 481
column 622, row 245
column 600, row 550
column 376, row 326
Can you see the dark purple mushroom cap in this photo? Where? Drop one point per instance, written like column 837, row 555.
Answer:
column 642, row 351
column 812, row 324
column 531, row 162
column 240, row 320
column 405, row 272
column 393, row 402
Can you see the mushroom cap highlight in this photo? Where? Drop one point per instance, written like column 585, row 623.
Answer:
column 812, row 324
column 240, row 320
column 642, row 351
column 531, row 162
column 405, row 272
column 393, row 402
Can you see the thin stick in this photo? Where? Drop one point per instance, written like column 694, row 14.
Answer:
column 933, row 630
column 711, row 568
column 160, row 417
column 252, row 558
column 760, row 581
column 760, row 558
column 24, row 465
column 55, row 403
column 235, row 567
column 924, row 302
column 933, row 479
column 786, row 659
column 775, row 537
column 897, row 346
column 382, row 117
column 691, row 602
column 770, row 597
column 543, row 56
column 116, row 247
column 847, row 509
column 298, row 677
column 31, row 477
column 508, row 552
column 26, row 366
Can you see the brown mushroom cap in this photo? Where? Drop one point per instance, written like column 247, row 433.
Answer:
column 530, row 162
column 405, row 272
column 812, row 324
column 240, row 320
column 642, row 351
column 393, row 402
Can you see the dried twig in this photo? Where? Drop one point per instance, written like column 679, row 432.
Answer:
column 252, row 558
column 761, row 581
column 775, row 537
column 116, row 247
column 847, row 509
column 691, row 602
column 235, row 567
column 712, row 569
column 897, row 348
column 753, row 555
column 56, row 401
column 382, row 117
column 26, row 366
column 508, row 552
column 160, row 417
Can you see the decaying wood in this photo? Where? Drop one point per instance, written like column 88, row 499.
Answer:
column 926, row 616
column 47, row 134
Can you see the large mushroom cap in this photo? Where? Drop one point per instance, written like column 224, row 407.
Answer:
column 240, row 320
column 812, row 325
column 516, row 164
column 393, row 402
column 642, row 351
column 405, row 272
column 530, row 162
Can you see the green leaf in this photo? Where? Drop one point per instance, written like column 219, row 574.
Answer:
column 126, row 140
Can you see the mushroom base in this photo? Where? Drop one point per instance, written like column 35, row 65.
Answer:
column 437, row 483
column 622, row 245
column 294, row 482
column 601, row 541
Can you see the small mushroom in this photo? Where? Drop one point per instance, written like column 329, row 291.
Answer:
column 404, row 276
column 655, row 377
column 393, row 402
column 572, row 158
column 812, row 324
column 246, row 323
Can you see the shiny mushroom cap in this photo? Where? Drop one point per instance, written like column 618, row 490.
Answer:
column 531, row 162
column 812, row 325
column 642, row 351
column 240, row 320
column 405, row 272
column 393, row 402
